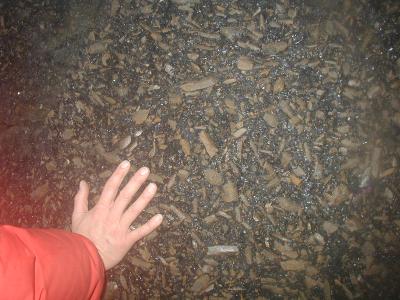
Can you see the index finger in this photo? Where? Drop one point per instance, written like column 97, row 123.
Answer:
column 112, row 185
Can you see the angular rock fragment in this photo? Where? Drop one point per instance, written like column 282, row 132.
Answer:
column 229, row 192
column 192, row 86
column 231, row 32
column 245, row 64
column 97, row 47
column 185, row 146
column 295, row 180
column 373, row 91
column 95, row 98
column 279, row 85
column 293, row 265
column 340, row 193
column 108, row 156
column 222, row 249
column 286, row 159
column 200, row 284
column 68, row 134
column 193, row 56
column 270, row 119
column 230, row 106
column 285, row 250
column 229, row 81
column 40, row 192
column 140, row 116
column 299, row 172
column 183, row 174
column 330, row 227
column 240, row 132
column 213, row 177
column 275, row 47
column 123, row 143
column 115, row 5
column 180, row 214
column 289, row 205
column 138, row 262
column 310, row 283
column 208, row 144
column 175, row 99
column 122, row 91
column 375, row 161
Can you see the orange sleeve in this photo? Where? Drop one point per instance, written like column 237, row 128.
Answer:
column 48, row 264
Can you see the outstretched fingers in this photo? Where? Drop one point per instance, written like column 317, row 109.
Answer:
column 145, row 229
column 136, row 208
column 112, row 185
column 126, row 194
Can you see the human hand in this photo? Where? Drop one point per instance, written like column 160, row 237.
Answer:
column 108, row 223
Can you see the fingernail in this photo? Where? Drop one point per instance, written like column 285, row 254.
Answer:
column 152, row 187
column 124, row 164
column 144, row 171
column 158, row 217
column 81, row 184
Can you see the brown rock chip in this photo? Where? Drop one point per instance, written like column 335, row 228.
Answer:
column 285, row 250
column 270, row 119
column 293, row 265
column 330, row 227
column 208, row 143
column 238, row 133
column 192, row 86
column 185, row 146
column 68, row 134
column 115, row 5
column 200, row 284
column 175, row 99
column 222, row 249
column 275, row 47
column 245, row 64
column 279, row 85
column 138, row 262
column 231, row 33
column 340, row 194
column 229, row 192
column 123, row 143
column 289, row 205
column 230, row 106
column 295, row 180
column 140, row 116
column 96, row 48
column 213, row 177
column 40, row 192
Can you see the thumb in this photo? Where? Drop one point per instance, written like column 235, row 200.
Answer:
column 81, row 199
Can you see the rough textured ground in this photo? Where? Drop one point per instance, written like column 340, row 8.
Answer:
column 272, row 129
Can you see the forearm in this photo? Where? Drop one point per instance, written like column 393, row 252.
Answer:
column 53, row 263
